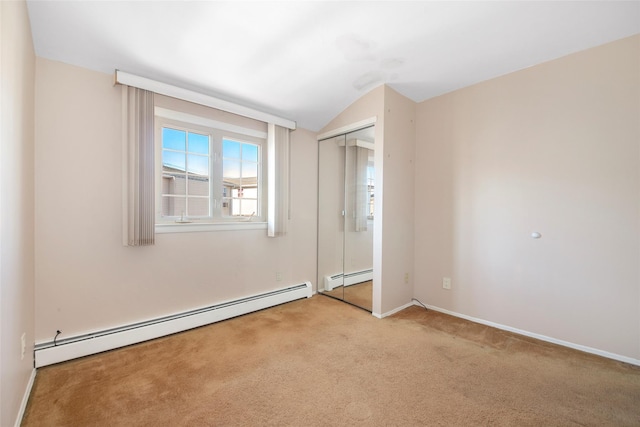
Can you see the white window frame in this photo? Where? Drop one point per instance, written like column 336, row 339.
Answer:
column 217, row 131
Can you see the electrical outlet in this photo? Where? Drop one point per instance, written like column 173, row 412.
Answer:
column 446, row 282
column 278, row 276
column 406, row 277
column 23, row 344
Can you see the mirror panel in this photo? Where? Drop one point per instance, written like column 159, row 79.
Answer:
column 331, row 157
column 346, row 182
column 358, row 224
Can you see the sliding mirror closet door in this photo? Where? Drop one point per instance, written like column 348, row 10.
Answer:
column 345, row 217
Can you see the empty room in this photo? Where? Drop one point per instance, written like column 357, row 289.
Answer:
column 307, row 213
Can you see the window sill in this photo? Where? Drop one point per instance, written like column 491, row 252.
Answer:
column 193, row 227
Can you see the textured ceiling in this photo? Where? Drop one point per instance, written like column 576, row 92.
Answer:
column 307, row 61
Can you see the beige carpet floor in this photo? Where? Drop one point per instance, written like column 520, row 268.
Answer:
column 320, row 362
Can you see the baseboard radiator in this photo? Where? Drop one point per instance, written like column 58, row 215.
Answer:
column 332, row 282
column 48, row 353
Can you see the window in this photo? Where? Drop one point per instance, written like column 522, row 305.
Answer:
column 206, row 174
column 185, row 174
column 240, row 167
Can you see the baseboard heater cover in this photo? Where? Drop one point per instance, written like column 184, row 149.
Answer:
column 331, row 282
column 48, row 353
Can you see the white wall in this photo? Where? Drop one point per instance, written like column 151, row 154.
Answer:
column 17, row 76
column 554, row 149
column 85, row 279
column 398, row 188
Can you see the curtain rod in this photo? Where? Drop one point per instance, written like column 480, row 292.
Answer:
column 199, row 98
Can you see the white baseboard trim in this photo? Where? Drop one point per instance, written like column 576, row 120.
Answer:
column 47, row 353
column 25, row 398
column 540, row 337
column 394, row 311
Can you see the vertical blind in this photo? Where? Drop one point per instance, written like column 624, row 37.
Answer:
column 278, row 180
column 140, row 171
column 361, row 189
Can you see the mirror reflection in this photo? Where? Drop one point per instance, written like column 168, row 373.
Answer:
column 346, row 201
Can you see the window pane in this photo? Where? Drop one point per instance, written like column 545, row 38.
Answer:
column 198, row 164
column 250, row 192
column 250, row 170
column 198, row 206
column 198, row 143
column 198, row 185
column 174, row 184
column 248, row 207
column 230, row 149
column 250, row 152
column 174, row 139
column 226, row 206
column 240, row 176
column 172, row 161
column 231, row 171
column 173, row 206
column 234, row 206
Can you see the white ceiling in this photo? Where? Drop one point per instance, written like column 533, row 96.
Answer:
column 307, row 61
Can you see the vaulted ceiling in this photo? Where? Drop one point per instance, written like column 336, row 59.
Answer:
column 307, row 61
